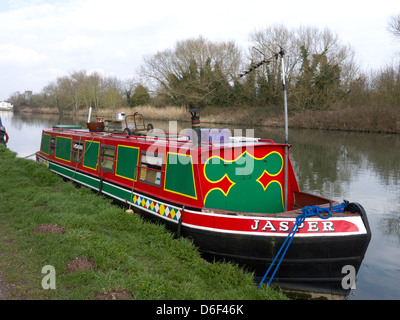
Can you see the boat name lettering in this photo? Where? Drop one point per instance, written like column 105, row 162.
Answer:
column 285, row 226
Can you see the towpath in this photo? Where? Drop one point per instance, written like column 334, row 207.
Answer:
column 4, row 288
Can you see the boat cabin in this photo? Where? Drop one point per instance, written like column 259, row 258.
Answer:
column 221, row 172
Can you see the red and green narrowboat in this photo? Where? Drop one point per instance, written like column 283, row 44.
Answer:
column 230, row 195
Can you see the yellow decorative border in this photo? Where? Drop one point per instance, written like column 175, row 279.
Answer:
column 233, row 183
column 218, row 188
column 271, row 175
column 280, row 185
column 137, row 162
column 194, row 183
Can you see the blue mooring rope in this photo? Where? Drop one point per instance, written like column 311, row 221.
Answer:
column 307, row 211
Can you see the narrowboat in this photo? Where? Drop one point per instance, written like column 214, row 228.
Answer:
column 236, row 198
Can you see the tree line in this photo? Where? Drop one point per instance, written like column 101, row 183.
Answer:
column 81, row 90
column 321, row 74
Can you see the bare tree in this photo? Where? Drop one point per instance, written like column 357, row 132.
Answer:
column 78, row 79
column 270, row 40
column 318, row 64
column 52, row 90
column 193, row 69
column 112, row 93
column 80, row 90
column 394, row 26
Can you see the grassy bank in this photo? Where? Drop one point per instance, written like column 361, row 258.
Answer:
column 385, row 119
column 97, row 249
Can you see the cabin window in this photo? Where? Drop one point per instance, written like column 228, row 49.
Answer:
column 151, row 168
column 77, row 151
column 52, row 145
column 107, row 158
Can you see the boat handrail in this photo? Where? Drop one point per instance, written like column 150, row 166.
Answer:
column 148, row 168
column 108, row 159
column 267, row 140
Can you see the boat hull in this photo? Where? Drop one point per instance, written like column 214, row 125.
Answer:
column 310, row 264
column 314, row 261
column 318, row 265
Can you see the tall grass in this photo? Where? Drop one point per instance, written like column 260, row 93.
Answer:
column 369, row 118
column 383, row 119
column 214, row 115
column 129, row 253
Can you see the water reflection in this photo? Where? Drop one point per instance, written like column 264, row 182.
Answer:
column 358, row 167
column 390, row 225
column 25, row 130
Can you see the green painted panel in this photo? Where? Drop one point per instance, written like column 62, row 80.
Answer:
column 245, row 184
column 127, row 160
column 90, row 158
column 63, row 148
column 179, row 175
column 45, row 144
column 273, row 163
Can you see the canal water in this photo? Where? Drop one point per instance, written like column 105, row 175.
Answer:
column 359, row 167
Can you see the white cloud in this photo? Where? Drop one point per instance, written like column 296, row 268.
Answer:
column 64, row 35
column 76, row 43
column 17, row 55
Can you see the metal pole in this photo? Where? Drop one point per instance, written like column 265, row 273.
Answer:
column 282, row 53
column 90, row 114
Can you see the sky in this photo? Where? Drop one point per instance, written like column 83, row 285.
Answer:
column 41, row 40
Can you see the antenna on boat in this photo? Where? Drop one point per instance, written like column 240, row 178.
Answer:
column 257, row 65
column 282, row 54
column 267, row 61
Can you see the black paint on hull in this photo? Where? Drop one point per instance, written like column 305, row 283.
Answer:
column 311, row 264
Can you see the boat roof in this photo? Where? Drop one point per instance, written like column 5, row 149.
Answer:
column 174, row 139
